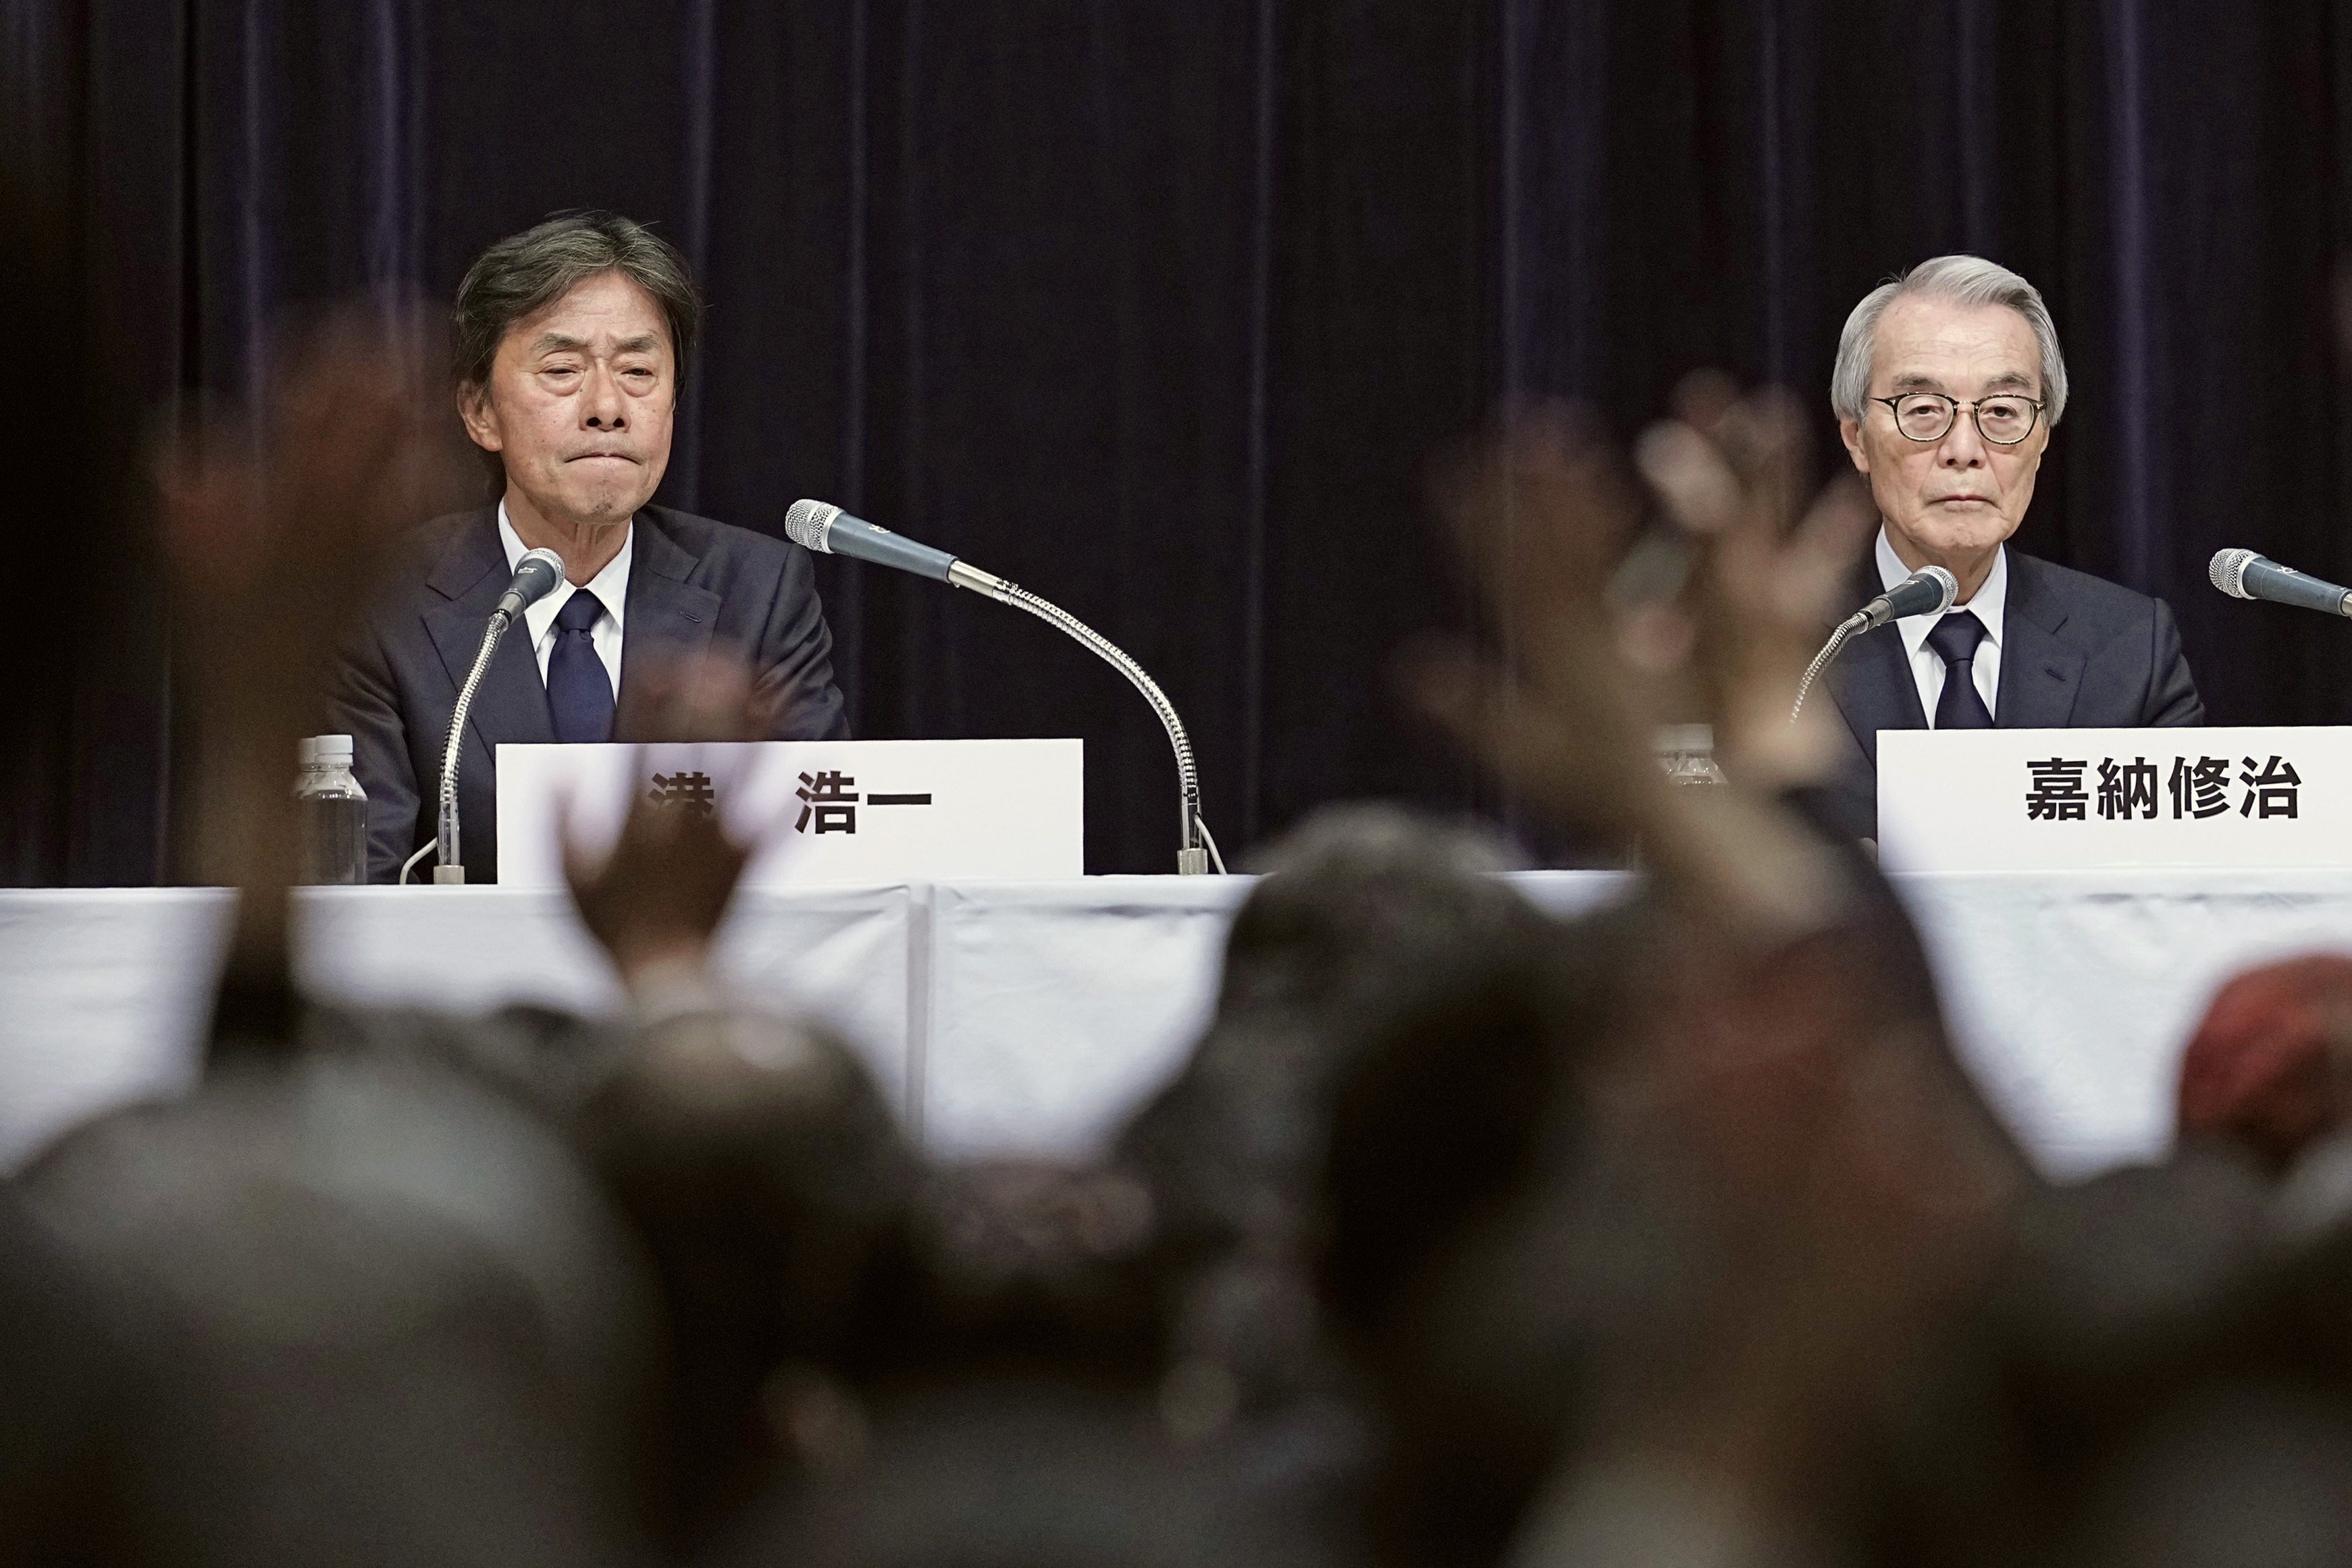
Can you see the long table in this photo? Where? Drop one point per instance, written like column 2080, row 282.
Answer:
column 1033, row 1017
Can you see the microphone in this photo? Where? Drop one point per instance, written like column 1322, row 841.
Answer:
column 829, row 530
column 2243, row 574
column 535, row 577
column 1929, row 590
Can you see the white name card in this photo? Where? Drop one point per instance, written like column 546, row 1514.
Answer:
column 2032, row 800
column 835, row 812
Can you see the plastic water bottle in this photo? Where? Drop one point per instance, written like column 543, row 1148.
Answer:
column 1687, row 753
column 335, row 814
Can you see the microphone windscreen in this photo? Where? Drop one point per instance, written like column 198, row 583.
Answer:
column 536, row 575
column 809, row 523
column 1929, row 590
column 2229, row 570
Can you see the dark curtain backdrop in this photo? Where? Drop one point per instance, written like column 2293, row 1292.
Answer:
column 1160, row 309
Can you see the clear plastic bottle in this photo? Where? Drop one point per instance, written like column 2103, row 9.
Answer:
column 1687, row 753
column 335, row 814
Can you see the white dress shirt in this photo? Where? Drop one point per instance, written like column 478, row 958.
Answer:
column 611, row 588
column 1926, row 664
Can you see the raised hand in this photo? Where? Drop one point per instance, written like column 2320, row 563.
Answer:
column 274, row 526
column 1565, row 704
column 1604, row 633
column 654, row 903
column 1731, row 472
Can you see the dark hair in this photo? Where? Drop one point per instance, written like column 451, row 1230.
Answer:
column 526, row 272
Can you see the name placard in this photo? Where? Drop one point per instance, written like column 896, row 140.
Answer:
column 836, row 812
column 2021, row 800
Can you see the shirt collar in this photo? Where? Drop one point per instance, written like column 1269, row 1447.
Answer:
column 1991, row 603
column 609, row 585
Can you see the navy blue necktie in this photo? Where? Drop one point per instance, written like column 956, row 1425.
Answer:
column 1955, row 640
column 579, row 693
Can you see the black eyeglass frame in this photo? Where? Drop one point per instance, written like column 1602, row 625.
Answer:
column 1952, row 417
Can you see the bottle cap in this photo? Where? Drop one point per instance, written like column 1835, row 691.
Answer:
column 328, row 749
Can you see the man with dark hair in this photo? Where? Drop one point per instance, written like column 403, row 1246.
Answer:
column 572, row 340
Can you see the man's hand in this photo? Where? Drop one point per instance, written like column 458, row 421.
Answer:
column 1731, row 473
column 1831, row 1195
column 1565, row 706
column 654, row 903
column 274, row 528
column 1711, row 619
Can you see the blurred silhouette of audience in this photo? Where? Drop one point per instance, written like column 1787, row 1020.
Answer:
column 1671, row 1234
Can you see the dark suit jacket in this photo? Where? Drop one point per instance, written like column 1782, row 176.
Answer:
column 694, row 585
column 2076, row 653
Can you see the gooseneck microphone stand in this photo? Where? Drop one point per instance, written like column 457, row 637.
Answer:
column 825, row 528
column 1929, row 590
column 535, row 576
column 1194, row 847
column 1823, row 659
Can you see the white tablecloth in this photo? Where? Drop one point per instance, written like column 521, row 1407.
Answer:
column 1032, row 1017
column 2072, row 995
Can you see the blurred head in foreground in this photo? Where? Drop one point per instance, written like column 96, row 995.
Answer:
column 1367, row 916
column 357, row 1311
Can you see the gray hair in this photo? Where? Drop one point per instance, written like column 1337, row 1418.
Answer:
column 1968, row 281
column 525, row 273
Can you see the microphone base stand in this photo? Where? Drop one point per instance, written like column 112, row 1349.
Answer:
column 1195, row 846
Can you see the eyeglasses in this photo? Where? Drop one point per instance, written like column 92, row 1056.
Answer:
column 2004, row 420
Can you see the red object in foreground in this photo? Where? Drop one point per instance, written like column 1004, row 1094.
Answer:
column 2265, row 1067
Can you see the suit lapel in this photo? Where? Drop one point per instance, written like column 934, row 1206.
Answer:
column 1875, row 690
column 511, row 703
column 668, row 617
column 2039, row 675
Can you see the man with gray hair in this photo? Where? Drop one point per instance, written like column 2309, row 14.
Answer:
column 1948, row 381
column 572, row 340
